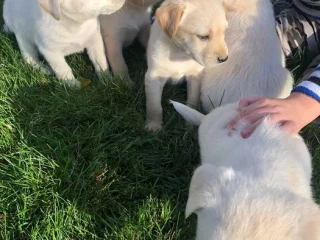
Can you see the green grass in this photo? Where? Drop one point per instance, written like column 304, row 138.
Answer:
column 79, row 164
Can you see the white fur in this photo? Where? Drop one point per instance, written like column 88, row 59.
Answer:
column 120, row 29
column 5, row 29
column 72, row 27
column 250, row 189
column 256, row 64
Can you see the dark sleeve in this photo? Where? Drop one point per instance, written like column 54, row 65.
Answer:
column 310, row 7
column 311, row 85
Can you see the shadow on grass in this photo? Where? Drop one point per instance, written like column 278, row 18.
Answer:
column 79, row 164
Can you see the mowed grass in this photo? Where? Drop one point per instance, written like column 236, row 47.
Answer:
column 79, row 164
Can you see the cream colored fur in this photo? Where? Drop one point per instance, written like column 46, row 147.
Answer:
column 256, row 64
column 57, row 28
column 186, row 36
column 250, row 189
column 120, row 29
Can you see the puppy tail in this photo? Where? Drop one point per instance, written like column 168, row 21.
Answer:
column 5, row 29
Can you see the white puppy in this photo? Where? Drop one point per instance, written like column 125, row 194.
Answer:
column 120, row 29
column 256, row 64
column 186, row 36
column 250, row 189
column 57, row 28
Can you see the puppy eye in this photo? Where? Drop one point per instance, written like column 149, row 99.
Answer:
column 203, row 37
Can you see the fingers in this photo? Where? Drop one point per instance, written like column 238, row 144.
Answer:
column 255, row 116
column 260, row 103
column 252, row 114
column 287, row 126
column 244, row 102
column 234, row 121
column 256, row 120
column 254, row 109
column 290, row 127
column 249, row 130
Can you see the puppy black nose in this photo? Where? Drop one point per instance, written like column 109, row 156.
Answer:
column 221, row 60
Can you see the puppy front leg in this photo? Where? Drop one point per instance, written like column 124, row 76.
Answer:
column 194, row 87
column 115, row 57
column 97, row 54
column 30, row 55
column 61, row 68
column 154, row 89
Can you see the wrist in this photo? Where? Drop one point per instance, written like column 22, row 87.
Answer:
column 309, row 105
column 305, row 99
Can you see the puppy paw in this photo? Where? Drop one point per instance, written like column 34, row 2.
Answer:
column 72, row 83
column 129, row 83
column 126, row 80
column 102, row 74
column 45, row 70
column 153, row 126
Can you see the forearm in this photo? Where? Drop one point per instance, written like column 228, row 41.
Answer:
column 311, row 87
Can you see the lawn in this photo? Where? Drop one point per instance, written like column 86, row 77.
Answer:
column 79, row 164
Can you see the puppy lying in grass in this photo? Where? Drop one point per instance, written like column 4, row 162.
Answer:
column 57, row 28
column 253, row 189
column 120, row 29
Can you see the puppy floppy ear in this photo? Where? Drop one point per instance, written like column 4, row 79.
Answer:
column 52, row 7
column 169, row 16
column 188, row 113
column 235, row 5
column 226, row 9
column 204, row 187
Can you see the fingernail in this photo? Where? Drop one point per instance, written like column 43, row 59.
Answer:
column 244, row 134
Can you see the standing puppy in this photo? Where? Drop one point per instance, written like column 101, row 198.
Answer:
column 187, row 36
column 250, row 189
column 122, row 28
column 57, row 28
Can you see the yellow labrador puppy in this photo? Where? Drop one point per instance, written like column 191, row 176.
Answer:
column 187, row 36
column 256, row 64
column 120, row 29
column 57, row 28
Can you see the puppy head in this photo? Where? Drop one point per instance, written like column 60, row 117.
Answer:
column 198, row 26
column 232, row 211
column 212, row 127
column 80, row 10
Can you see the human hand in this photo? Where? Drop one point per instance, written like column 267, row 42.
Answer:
column 293, row 113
